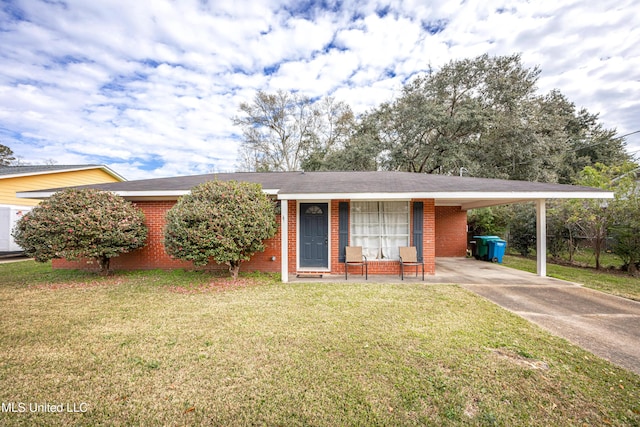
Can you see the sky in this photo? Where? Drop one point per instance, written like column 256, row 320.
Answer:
column 150, row 87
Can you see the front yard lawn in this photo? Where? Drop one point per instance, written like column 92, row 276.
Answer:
column 186, row 348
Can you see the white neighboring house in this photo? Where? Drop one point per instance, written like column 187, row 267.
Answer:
column 9, row 215
column 35, row 177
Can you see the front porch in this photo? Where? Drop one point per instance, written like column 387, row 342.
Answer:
column 461, row 271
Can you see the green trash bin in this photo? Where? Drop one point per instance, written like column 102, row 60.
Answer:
column 496, row 250
column 482, row 246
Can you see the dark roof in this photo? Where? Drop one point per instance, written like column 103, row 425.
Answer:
column 6, row 171
column 344, row 182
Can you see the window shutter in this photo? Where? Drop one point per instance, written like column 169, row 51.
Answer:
column 418, row 227
column 343, row 229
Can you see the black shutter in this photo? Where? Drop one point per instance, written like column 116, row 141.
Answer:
column 418, row 226
column 343, row 229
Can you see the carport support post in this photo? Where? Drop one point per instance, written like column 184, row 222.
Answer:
column 284, row 240
column 541, row 237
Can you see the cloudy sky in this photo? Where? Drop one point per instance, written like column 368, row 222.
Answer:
column 149, row 87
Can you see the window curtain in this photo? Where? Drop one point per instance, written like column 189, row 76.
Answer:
column 380, row 228
column 366, row 228
column 394, row 218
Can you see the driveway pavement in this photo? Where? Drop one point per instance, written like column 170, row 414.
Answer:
column 606, row 325
column 603, row 324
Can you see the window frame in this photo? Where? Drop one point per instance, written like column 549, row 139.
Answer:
column 379, row 236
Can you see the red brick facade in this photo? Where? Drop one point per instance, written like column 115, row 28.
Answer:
column 154, row 256
column 444, row 235
column 451, row 229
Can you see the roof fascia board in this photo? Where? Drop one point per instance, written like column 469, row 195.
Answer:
column 132, row 195
column 49, row 172
column 476, row 204
column 113, row 173
column 442, row 197
column 466, row 195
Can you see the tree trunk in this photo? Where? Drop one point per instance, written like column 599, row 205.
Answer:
column 633, row 269
column 104, row 264
column 596, row 252
column 234, row 269
column 572, row 246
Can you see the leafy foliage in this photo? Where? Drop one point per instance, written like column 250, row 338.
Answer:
column 522, row 228
column 592, row 217
column 6, row 156
column 562, row 232
column 485, row 221
column 625, row 214
column 356, row 150
column 602, row 223
column 483, row 116
column 75, row 224
column 226, row 221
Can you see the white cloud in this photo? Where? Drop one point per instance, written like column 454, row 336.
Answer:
column 150, row 87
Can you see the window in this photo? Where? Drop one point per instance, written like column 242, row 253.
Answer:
column 313, row 210
column 380, row 228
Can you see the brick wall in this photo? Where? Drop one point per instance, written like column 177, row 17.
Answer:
column 444, row 235
column 153, row 255
column 451, row 231
column 389, row 267
column 428, row 236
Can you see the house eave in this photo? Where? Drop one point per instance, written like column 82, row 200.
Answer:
column 465, row 199
column 454, row 198
column 129, row 195
column 106, row 169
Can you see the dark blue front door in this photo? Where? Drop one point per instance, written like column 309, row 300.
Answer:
column 314, row 244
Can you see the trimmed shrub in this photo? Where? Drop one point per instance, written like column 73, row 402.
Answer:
column 74, row 224
column 226, row 221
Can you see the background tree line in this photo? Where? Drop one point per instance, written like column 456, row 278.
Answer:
column 483, row 117
column 480, row 117
column 597, row 224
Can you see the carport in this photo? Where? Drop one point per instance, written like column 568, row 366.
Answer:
column 523, row 193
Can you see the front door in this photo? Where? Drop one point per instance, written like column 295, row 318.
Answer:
column 314, row 233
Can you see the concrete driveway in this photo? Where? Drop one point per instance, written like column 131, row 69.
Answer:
column 603, row 324
column 606, row 325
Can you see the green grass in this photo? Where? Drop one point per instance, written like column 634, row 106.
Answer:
column 612, row 282
column 585, row 257
column 185, row 348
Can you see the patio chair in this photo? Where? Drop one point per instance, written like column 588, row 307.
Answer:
column 354, row 256
column 409, row 257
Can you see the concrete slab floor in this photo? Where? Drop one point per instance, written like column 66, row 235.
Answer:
column 448, row 271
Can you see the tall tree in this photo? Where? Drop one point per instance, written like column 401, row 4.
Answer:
column 593, row 217
column 625, row 226
column 276, row 129
column 354, row 150
column 282, row 130
column 428, row 127
column 589, row 143
column 6, row 156
column 485, row 116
